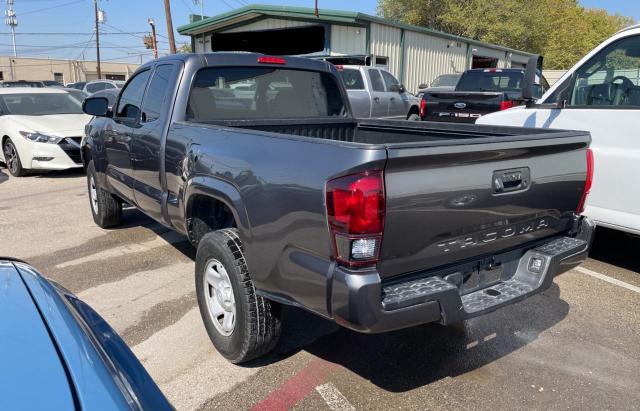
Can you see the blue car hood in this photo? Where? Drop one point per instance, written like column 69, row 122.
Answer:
column 32, row 375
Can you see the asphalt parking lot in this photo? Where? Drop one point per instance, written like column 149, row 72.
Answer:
column 575, row 346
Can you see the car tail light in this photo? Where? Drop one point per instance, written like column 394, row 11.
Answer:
column 507, row 104
column 423, row 108
column 587, row 183
column 355, row 212
column 271, row 60
column 339, row 67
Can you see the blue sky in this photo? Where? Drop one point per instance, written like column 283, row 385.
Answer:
column 127, row 22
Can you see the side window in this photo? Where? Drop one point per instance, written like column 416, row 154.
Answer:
column 157, row 93
column 107, row 86
column 131, row 96
column 92, row 88
column 376, row 80
column 611, row 77
column 389, row 80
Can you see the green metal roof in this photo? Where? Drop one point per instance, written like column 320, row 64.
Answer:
column 234, row 17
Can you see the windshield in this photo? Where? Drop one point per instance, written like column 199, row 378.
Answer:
column 38, row 104
column 490, row 80
column 446, row 80
column 262, row 93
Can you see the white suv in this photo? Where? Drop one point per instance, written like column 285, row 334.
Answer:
column 600, row 94
column 98, row 85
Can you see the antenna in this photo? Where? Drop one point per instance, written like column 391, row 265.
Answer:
column 11, row 20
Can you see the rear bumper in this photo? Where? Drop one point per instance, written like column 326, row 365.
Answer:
column 362, row 302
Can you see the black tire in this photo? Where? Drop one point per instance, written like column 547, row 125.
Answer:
column 258, row 322
column 109, row 207
column 413, row 117
column 12, row 159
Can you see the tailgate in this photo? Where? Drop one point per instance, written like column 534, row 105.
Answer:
column 450, row 203
column 462, row 104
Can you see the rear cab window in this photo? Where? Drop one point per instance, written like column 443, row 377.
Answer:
column 226, row 93
column 491, row 80
column 352, row 79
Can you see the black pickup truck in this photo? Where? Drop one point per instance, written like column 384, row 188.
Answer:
column 478, row 92
column 376, row 225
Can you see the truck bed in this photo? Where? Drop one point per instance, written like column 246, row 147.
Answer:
column 390, row 132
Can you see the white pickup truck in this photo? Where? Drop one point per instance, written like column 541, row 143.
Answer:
column 600, row 94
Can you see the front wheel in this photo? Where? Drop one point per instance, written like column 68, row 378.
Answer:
column 12, row 159
column 241, row 324
column 105, row 208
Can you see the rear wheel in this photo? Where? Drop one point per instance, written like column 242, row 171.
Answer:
column 242, row 325
column 106, row 209
column 413, row 117
column 12, row 159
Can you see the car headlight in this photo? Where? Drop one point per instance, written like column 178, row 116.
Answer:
column 41, row 138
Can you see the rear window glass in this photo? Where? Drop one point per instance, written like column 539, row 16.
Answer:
column 490, row 81
column 352, row 79
column 263, row 93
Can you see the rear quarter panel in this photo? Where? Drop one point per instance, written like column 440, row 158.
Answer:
column 279, row 184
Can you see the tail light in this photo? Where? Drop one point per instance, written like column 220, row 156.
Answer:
column 271, row 60
column 587, row 183
column 355, row 212
column 423, row 108
column 507, row 104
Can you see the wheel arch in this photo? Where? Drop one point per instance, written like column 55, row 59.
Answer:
column 219, row 203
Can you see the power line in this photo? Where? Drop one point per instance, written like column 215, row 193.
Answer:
column 51, row 8
column 72, row 34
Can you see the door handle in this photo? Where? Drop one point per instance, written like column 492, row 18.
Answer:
column 376, row 99
column 505, row 181
column 393, row 99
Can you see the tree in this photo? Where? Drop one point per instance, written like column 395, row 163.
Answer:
column 184, row 48
column 560, row 30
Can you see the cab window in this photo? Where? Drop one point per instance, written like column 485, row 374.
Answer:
column 376, row 80
column 131, row 97
column 389, row 80
column 611, row 77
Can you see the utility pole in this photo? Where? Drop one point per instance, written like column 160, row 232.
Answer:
column 95, row 8
column 172, row 40
column 12, row 21
column 154, row 42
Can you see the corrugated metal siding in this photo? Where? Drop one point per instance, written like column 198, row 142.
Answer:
column 427, row 57
column 268, row 24
column 348, row 40
column 553, row 76
column 385, row 41
column 202, row 47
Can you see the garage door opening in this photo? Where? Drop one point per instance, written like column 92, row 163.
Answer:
column 483, row 62
column 290, row 41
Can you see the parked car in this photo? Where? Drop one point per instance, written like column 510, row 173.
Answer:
column 375, row 224
column 97, row 85
column 51, row 340
column 444, row 82
column 375, row 93
column 41, row 129
column 23, row 83
column 77, row 94
column 52, row 83
column 478, row 92
column 79, row 85
column 601, row 94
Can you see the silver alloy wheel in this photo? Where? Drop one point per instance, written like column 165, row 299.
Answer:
column 93, row 194
column 11, row 157
column 219, row 297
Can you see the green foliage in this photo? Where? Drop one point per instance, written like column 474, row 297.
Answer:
column 560, row 30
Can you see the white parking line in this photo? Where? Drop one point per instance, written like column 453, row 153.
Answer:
column 609, row 279
column 334, row 398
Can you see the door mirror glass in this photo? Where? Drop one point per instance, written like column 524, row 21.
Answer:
column 423, row 85
column 96, row 106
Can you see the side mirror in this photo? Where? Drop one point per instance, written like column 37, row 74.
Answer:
column 531, row 89
column 96, row 106
column 397, row 88
column 423, row 85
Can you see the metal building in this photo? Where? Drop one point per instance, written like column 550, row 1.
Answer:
column 416, row 55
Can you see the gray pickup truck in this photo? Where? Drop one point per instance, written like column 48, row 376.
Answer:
column 374, row 224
